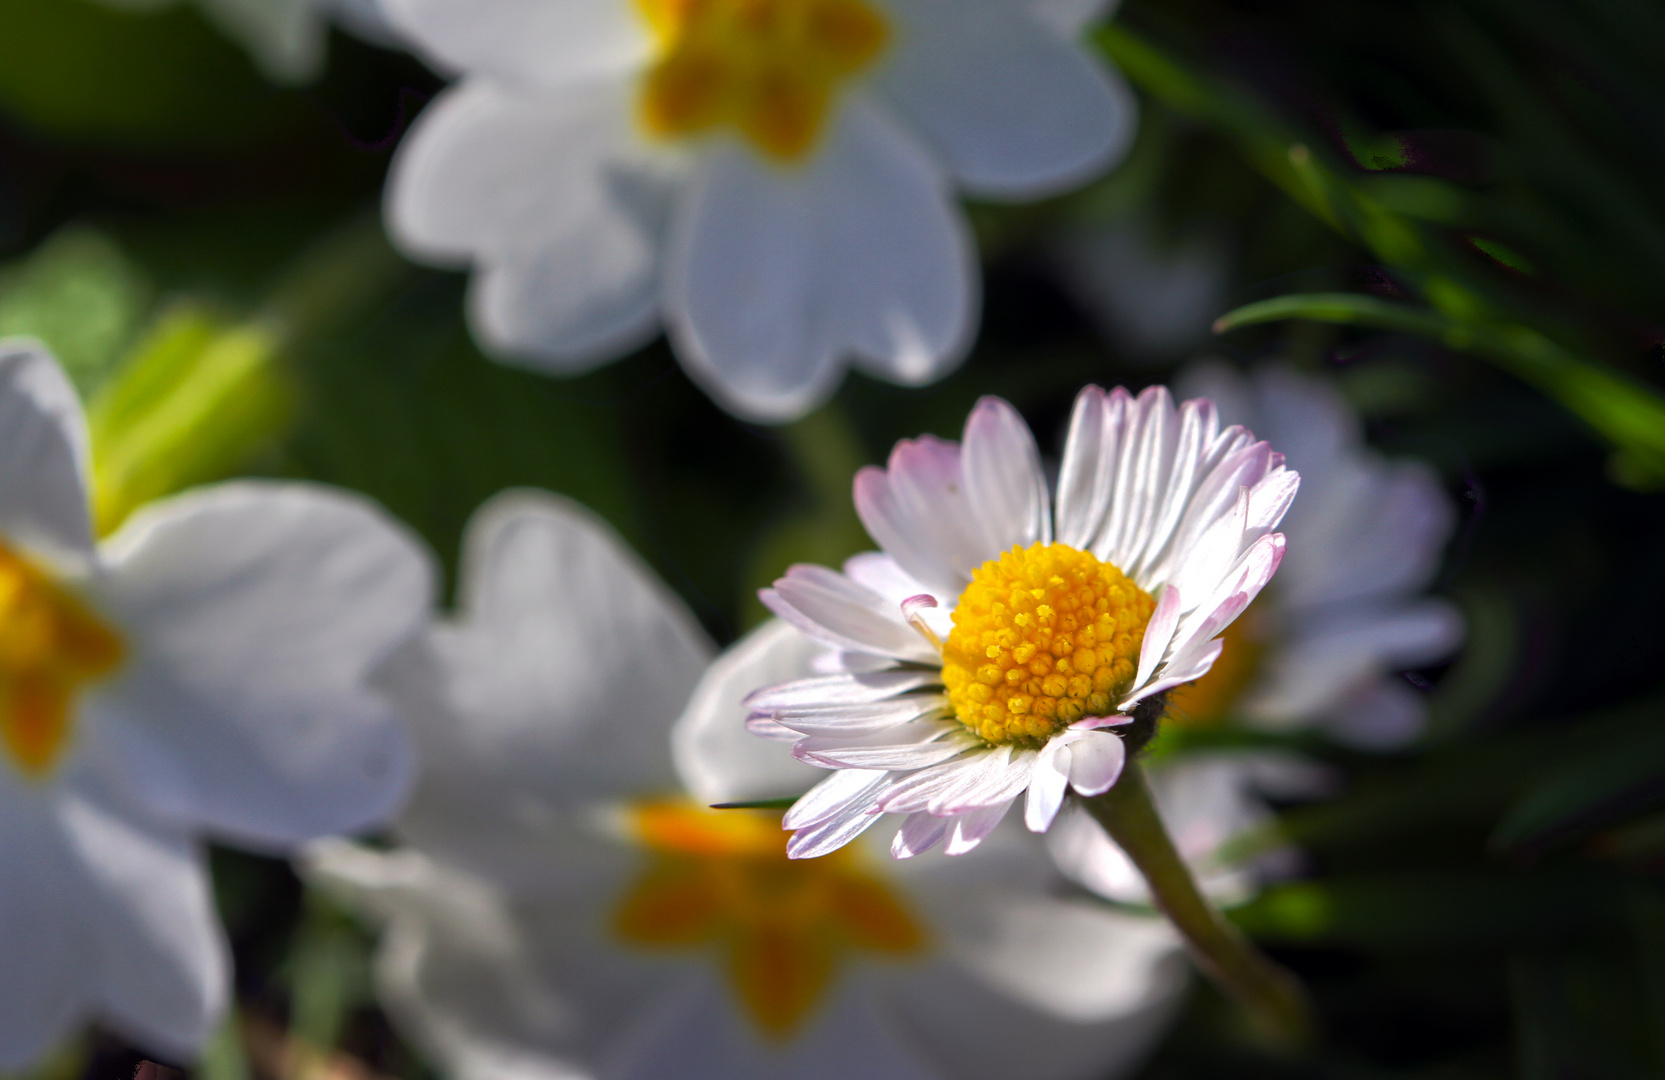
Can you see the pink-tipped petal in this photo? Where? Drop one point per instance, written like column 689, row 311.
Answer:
column 1095, row 762
column 970, row 829
column 1158, row 633
column 919, row 833
column 1003, row 477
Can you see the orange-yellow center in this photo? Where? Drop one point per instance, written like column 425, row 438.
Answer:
column 1042, row 636
column 720, row 880
column 1210, row 699
column 767, row 68
column 51, row 645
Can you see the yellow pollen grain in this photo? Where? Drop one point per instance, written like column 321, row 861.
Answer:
column 769, row 69
column 720, row 880
column 1043, row 636
column 51, row 645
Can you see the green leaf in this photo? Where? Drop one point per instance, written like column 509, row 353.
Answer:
column 758, row 804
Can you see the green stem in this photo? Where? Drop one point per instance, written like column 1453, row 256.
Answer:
column 1272, row 996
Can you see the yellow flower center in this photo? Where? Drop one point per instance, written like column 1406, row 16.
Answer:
column 1210, row 700
column 769, row 68
column 720, row 879
column 1042, row 637
column 50, row 646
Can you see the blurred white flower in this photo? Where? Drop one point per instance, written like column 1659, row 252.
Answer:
column 204, row 672
column 561, row 907
column 1156, row 299
column 770, row 179
column 286, row 39
column 1348, row 613
column 977, row 659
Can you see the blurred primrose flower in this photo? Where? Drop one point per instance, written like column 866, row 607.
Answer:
column 770, row 179
column 563, row 904
column 1320, row 648
column 201, row 673
column 992, row 644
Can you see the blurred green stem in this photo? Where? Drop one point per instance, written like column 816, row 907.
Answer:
column 1273, row 998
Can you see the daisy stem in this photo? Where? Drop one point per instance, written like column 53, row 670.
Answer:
column 1273, row 997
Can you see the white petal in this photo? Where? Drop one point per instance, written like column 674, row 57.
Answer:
column 1086, row 476
column 526, row 41
column 919, row 833
column 1071, row 17
column 999, row 785
column 918, row 511
column 831, row 608
column 50, row 961
column 163, row 971
column 907, row 747
column 1003, row 477
column 1158, row 633
column 43, row 440
column 1014, row 107
column 918, row 790
column 846, row 789
column 558, row 204
column 255, row 613
column 861, row 719
column 1047, row 786
column 1096, row 762
column 717, row 757
column 970, row 828
column 860, row 688
column 567, row 666
column 778, row 277
column 880, row 572
column 827, row 836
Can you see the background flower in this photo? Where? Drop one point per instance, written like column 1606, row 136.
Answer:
column 780, row 202
column 201, row 673
column 558, row 908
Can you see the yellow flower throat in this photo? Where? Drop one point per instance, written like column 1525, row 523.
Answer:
column 720, row 879
column 50, row 647
column 768, row 68
column 1042, row 637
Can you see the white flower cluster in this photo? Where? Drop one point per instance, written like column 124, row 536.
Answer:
column 259, row 664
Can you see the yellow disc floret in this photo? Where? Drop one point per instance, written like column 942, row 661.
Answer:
column 50, row 646
column 768, row 68
column 1042, row 637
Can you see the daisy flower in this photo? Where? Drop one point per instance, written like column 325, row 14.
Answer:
column 562, row 903
column 996, row 640
column 200, row 674
column 1324, row 647
column 771, row 180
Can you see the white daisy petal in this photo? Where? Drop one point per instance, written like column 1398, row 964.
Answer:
column 1047, row 785
column 718, row 755
column 555, row 199
column 1096, row 762
column 1087, row 475
column 858, row 256
column 844, row 790
column 909, row 746
column 526, row 41
column 257, row 611
column 831, row 608
column 861, row 719
column 1071, row 17
column 1173, row 675
column 1015, row 108
column 997, row 785
column 1159, row 632
column 916, row 508
column 43, row 492
column 829, row 835
column 1003, row 478
column 919, row 833
column 849, row 689
column 970, row 829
